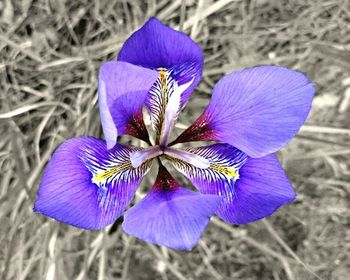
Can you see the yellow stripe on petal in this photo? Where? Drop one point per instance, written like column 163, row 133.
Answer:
column 108, row 173
column 229, row 172
column 163, row 76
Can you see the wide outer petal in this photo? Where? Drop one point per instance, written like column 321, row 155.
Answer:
column 86, row 185
column 251, row 188
column 156, row 45
column 170, row 215
column 263, row 187
column 175, row 55
column 122, row 89
column 258, row 110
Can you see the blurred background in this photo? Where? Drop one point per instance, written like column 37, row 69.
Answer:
column 50, row 52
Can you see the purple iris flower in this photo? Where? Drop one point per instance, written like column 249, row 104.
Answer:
column 89, row 182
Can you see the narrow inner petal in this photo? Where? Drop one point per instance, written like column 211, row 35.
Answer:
column 137, row 158
column 188, row 157
column 172, row 111
column 158, row 98
column 167, row 98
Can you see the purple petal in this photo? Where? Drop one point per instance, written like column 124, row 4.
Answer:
column 178, row 59
column 86, row 185
column 263, row 187
column 137, row 158
column 156, row 45
column 170, row 215
column 122, row 90
column 188, row 157
column 251, row 188
column 225, row 163
column 164, row 102
column 257, row 110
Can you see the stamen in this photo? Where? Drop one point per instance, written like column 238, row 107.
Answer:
column 188, row 157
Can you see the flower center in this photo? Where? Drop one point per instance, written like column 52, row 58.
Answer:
column 139, row 157
column 164, row 107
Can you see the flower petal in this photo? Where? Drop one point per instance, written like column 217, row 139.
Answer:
column 170, row 215
column 263, row 187
column 225, row 163
column 164, row 102
column 257, row 110
column 86, row 185
column 251, row 188
column 178, row 59
column 191, row 158
column 122, row 90
column 156, row 45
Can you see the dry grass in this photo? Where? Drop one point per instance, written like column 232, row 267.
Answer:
column 50, row 52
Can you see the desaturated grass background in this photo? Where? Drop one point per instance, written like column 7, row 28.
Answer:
column 50, row 52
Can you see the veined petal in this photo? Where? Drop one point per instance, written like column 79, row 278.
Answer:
column 263, row 187
column 257, row 110
column 170, row 215
column 251, row 188
column 164, row 102
column 139, row 157
column 86, row 185
column 225, row 162
column 191, row 158
column 122, row 90
column 178, row 59
column 156, row 45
